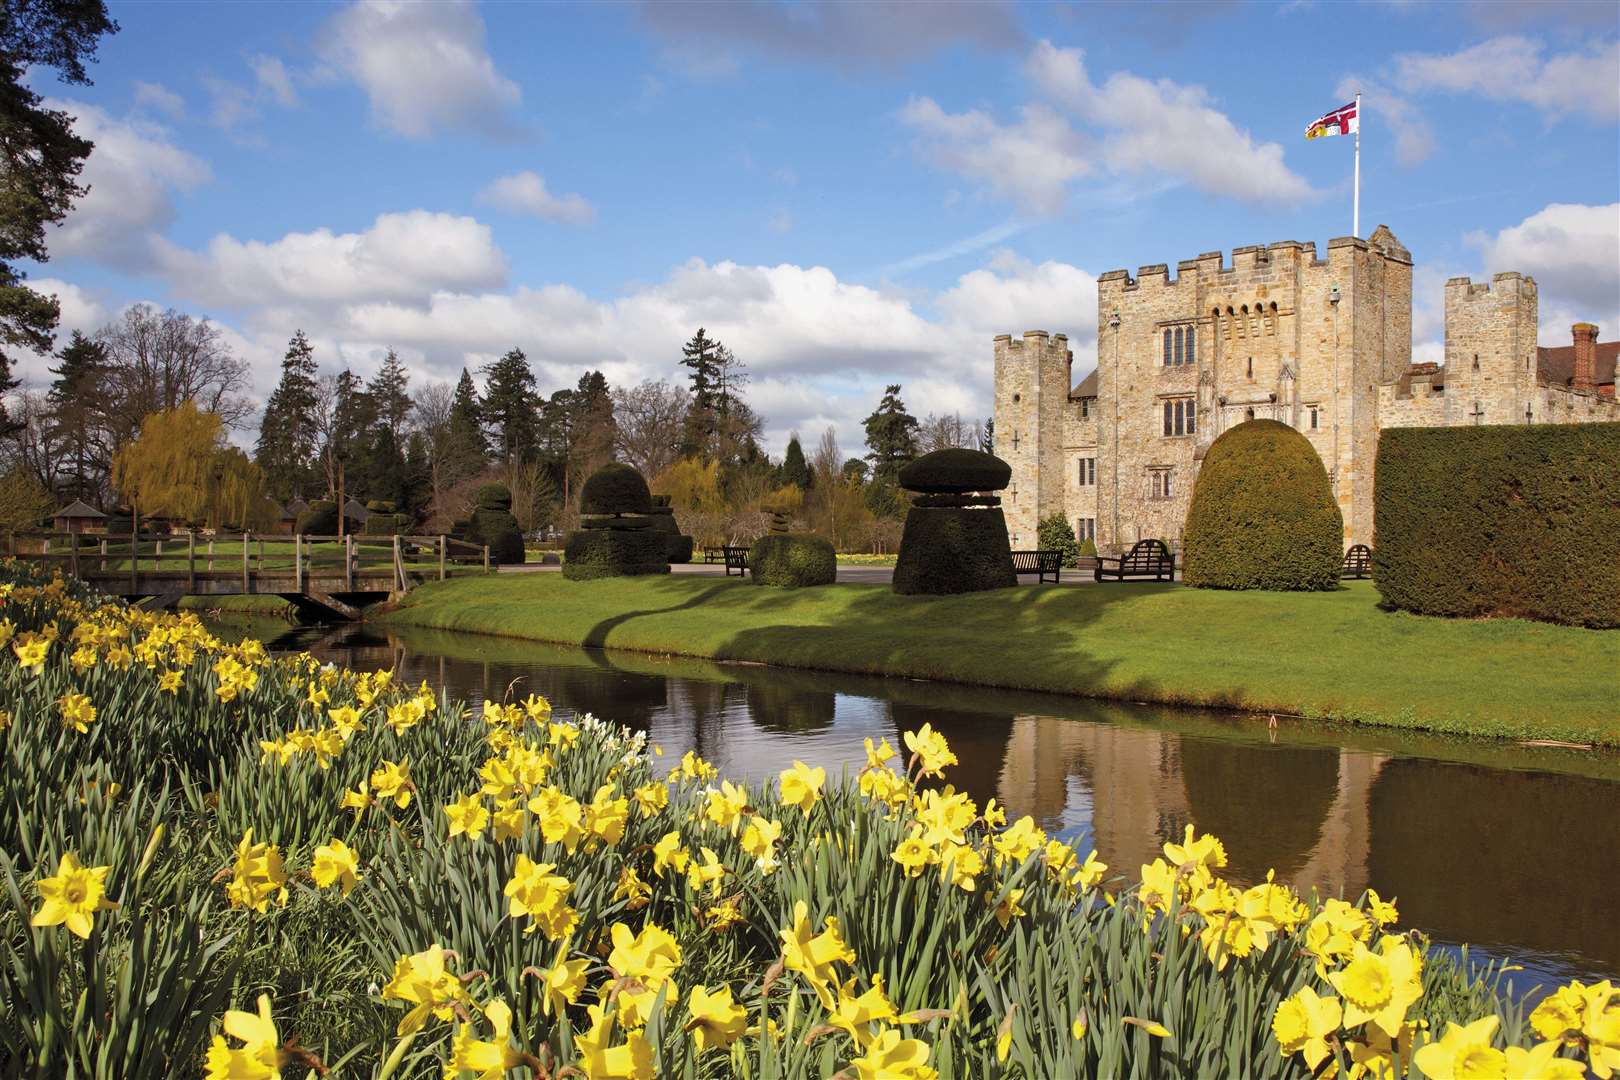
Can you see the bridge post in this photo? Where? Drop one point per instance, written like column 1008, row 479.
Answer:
column 134, row 550
column 399, row 566
column 486, row 558
column 348, row 562
column 441, row 556
column 103, row 550
column 247, row 548
column 73, row 562
column 298, row 561
column 191, row 560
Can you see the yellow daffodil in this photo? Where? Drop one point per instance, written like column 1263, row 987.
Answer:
column 724, row 805
column 561, row 817
column 723, row 915
column 1007, row 908
column 759, row 839
column 488, row 1059
column 930, row 750
column 668, row 854
column 1381, row 911
column 879, row 755
column 1018, row 842
column 1204, row 851
column 1465, row 1050
column 630, row 1060
column 562, row 982
column 335, row 863
column 72, row 896
column 716, row 1021
column 392, row 781
column 77, row 712
column 358, row 799
column 801, row 785
column 635, row 892
column 257, row 875
column 423, row 980
column 562, row 736
column 31, row 653
column 536, row 892
column 607, row 815
column 1304, row 1023
column 509, row 818
column 891, row 1057
column 1380, row 986
column 707, row 870
column 651, row 798
column 651, row 955
column 169, row 682
column 813, row 955
column 467, row 816
column 258, row 1058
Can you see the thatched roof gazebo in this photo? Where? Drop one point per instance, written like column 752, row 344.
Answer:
column 79, row 517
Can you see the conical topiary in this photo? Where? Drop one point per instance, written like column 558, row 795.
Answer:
column 616, row 538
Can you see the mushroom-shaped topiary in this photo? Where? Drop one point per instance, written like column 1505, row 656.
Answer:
column 1263, row 514
column 956, row 471
column 615, row 489
column 493, row 497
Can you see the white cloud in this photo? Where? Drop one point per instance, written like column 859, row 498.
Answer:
column 422, row 66
column 1573, row 252
column 1380, row 104
column 525, row 193
column 132, row 174
column 1012, row 294
column 81, row 310
column 1513, row 68
column 1168, row 127
column 1032, row 162
column 161, row 98
column 273, row 78
column 403, row 256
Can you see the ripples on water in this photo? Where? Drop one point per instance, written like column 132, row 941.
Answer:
column 1516, row 851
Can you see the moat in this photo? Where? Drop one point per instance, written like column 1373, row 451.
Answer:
column 1513, row 850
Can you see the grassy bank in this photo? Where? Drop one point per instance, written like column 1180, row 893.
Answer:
column 1331, row 655
column 245, row 604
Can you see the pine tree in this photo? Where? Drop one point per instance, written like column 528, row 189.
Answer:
column 701, row 357
column 352, row 418
column 891, row 435
column 288, row 439
column 510, row 408
column 795, row 470
column 76, row 398
column 987, row 437
column 466, row 423
column 382, row 470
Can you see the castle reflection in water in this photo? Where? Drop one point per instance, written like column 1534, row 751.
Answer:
column 1521, row 863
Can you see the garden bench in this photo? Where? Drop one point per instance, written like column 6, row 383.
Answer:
column 1039, row 563
column 1357, row 562
column 1148, row 560
column 714, row 554
column 736, row 559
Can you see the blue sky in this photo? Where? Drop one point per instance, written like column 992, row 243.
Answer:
column 847, row 195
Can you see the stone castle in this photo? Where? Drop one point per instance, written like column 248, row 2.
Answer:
column 1323, row 345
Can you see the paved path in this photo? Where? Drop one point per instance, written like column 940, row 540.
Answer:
column 867, row 575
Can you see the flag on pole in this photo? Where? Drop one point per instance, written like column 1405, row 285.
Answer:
column 1345, row 120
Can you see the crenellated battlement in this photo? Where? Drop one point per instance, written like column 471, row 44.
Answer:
column 1507, row 285
column 1213, row 267
column 1038, row 339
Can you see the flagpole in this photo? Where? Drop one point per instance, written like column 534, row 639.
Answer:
column 1355, row 219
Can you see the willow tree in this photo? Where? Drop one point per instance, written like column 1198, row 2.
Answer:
column 181, row 466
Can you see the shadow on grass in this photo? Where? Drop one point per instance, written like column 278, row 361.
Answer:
column 596, row 637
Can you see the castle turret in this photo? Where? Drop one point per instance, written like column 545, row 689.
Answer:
column 1032, row 388
column 1490, row 349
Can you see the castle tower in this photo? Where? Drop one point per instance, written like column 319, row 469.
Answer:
column 1491, row 350
column 1032, row 389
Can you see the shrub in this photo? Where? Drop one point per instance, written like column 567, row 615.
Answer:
column 1088, row 549
column 499, row 529
column 380, row 506
column 493, row 497
column 678, row 547
column 1263, row 514
column 953, row 550
column 321, row 519
column 956, row 470
column 792, row 560
column 600, row 553
column 615, row 489
column 1504, row 520
column 1054, row 533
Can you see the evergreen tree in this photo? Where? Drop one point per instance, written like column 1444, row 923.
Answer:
column 510, row 408
column 352, row 418
column 592, row 429
column 382, row 470
column 795, row 470
column 288, row 437
column 76, row 399
column 987, row 437
column 466, row 423
column 891, row 435
column 700, row 356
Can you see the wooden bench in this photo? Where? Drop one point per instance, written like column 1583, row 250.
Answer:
column 1039, row 563
column 736, row 559
column 1148, row 560
column 714, row 554
column 1357, row 562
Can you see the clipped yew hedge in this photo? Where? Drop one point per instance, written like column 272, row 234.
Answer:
column 1263, row 514
column 1501, row 520
column 793, row 560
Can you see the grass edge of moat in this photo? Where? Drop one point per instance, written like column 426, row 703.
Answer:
column 1334, row 656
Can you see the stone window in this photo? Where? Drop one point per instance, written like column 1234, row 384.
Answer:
column 1085, row 408
column 1085, row 529
column 1251, row 367
column 1191, row 358
column 1180, row 416
column 1159, row 484
column 1178, row 346
column 1315, row 413
column 1088, row 471
column 1167, row 347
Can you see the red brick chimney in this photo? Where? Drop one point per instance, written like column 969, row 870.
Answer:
column 1585, row 375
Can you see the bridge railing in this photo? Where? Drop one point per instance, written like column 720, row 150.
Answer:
column 108, row 556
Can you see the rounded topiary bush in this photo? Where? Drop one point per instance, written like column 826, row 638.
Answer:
column 321, row 519
column 678, row 547
column 953, row 550
column 499, row 529
column 792, row 560
column 493, row 497
column 388, row 524
column 600, row 553
column 615, row 489
column 956, row 470
column 1263, row 514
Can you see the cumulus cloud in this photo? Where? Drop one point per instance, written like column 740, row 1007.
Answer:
column 880, row 33
column 133, row 174
column 525, row 193
column 1519, row 69
column 402, row 256
column 422, row 66
column 1414, row 139
column 1573, row 252
column 160, row 98
column 273, row 78
column 1165, row 126
column 1031, row 162
column 82, row 310
column 1012, row 294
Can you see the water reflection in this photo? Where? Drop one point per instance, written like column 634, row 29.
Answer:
column 1475, row 846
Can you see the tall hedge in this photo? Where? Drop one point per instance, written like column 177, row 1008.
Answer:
column 792, row 560
column 1501, row 520
column 1263, row 514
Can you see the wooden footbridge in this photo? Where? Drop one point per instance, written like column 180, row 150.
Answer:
column 323, row 575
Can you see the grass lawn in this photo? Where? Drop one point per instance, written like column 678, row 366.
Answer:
column 1331, row 655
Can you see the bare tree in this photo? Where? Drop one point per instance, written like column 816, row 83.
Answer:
column 650, row 416
column 947, row 432
column 160, row 359
column 35, row 445
column 325, row 416
column 449, row 462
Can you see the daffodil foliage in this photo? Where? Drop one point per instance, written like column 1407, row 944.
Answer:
column 221, row 863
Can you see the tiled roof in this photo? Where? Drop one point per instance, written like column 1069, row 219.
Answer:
column 1556, row 366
